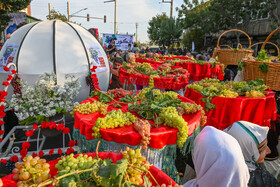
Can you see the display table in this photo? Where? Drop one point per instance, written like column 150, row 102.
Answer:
column 161, row 151
column 260, row 111
column 160, row 176
column 196, row 71
column 174, row 83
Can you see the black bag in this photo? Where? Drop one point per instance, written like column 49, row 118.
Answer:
column 262, row 178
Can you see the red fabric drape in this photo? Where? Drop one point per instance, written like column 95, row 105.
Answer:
column 196, row 71
column 229, row 110
column 175, row 83
column 159, row 136
column 160, row 176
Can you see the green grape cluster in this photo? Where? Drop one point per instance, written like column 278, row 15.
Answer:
column 162, row 96
column 71, row 164
column 170, row 117
column 31, row 171
column 228, row 93
column 89, row 108
column 189, row 108
column 135, row 160
column 151, row 80
column 196, row 87
column 115, row 118
column 254, row 93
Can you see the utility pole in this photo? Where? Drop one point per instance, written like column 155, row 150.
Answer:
column 68, row 11
column 50, row 11
column 115, row 21
column 171, row 6
column 136, row 32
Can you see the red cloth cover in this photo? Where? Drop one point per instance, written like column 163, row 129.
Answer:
column 175, row 83
column 229, row 110
column 196, row 71
column 159, row 136
column 160, row 176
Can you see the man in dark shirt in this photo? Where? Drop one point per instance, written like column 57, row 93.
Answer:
column 112, row 47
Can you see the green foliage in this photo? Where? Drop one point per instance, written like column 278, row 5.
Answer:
column 8, row 6
column 104, row 98
column 56, row 15
column 240, row 66
column 196, row 36
column 164, row 29
column 263, row 67
column 262, row 56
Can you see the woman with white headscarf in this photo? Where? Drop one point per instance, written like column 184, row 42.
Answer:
column 218, row 161
column 252, row 139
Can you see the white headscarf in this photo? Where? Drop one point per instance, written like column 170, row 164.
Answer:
column 218, row 161
column 249, row 137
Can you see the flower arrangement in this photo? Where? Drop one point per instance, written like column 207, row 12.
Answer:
column 45, row 99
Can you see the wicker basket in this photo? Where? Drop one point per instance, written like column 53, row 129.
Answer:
column 251, row 70
column 231, row 56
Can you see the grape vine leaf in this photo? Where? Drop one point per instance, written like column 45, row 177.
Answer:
column 102, row 97
column 263, row 67
column 119, row 168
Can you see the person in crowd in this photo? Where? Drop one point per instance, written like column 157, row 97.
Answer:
column 200, row 57
column 189, row 55
column 218, row 161
column 115, row 71
column 150, row 55
column 252, row 139
column 112, row 47
column 130, row 57
column 119, row 53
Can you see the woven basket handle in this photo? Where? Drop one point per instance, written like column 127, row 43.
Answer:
column 231, row 31
column 269, row 36
column 278, row 51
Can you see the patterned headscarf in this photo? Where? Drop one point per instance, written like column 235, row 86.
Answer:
column 251, row 138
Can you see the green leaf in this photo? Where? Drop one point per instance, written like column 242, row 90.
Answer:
column 263, row 67
column 128, row 98
column 102, row 97
column 104, row 171
column 240, row 65
column 58, row 109
column 119, row 168
column 26, row 106
column 28, row 121
column 213, row 65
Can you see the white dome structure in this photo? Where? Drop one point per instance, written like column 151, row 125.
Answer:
column 59, row 47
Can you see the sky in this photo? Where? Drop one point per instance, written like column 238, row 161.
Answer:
column 128, row 13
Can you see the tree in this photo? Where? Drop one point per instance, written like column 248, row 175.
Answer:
column 8, row 6
column 154, row 27
column 216, row 15
column 196, row 36
column 164, row 30
column 56, row 15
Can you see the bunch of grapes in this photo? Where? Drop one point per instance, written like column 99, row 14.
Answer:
column 30, row 171
column 89, row 82
column 89, row 108
column 254, row 93
column 170, row 117
column 189, row 108
column 71, row 164
column 151, row 80
column 118, row 93
column 195, row 87
column 228, row 93
column 143, row 127
column 135, row 160
column 161, row 96
column 115, row 118
column 15, row 82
